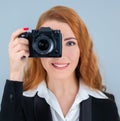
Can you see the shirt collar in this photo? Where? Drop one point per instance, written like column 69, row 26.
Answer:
column 83, row 93
column 85, row 90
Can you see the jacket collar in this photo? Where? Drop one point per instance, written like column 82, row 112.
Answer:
column 84, row 91
column 42, row 107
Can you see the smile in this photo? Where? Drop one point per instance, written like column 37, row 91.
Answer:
column 60, row 65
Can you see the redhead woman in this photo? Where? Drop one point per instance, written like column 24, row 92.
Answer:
column 65, row 88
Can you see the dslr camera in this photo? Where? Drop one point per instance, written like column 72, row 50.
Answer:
column 44, row 42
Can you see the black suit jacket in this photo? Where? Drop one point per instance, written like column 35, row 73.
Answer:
column 16, row 107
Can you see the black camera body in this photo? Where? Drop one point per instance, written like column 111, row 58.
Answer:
column 44, row 42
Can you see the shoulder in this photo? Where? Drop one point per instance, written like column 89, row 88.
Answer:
column 109, row 95
column 105, row 107
column 105, row 103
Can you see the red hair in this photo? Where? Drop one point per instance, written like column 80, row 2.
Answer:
column 87, row 68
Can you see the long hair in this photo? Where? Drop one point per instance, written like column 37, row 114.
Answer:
column 87, row 68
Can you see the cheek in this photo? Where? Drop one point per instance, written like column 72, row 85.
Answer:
column 44, row 62
column 75, row 54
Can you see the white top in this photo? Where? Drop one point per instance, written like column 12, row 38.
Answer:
column 73, row 114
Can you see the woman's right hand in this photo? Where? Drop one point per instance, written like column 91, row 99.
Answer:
column 18, row 55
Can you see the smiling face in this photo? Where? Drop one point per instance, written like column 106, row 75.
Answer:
column 63, row 67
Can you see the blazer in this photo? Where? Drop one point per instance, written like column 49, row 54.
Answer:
column 16, row 107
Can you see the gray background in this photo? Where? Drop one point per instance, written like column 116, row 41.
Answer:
column 101, row 17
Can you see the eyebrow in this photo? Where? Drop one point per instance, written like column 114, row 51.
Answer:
column 68, row 38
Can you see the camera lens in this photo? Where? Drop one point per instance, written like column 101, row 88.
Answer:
column 43, row 45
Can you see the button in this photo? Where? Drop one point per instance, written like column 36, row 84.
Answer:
column 11, row 97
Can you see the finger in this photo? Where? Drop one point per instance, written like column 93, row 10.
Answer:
column 21, row 47
column 18, row 32
column 14, row 49
column 18, row 41
column 22, row 54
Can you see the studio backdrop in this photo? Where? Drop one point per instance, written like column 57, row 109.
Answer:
column 101, row 17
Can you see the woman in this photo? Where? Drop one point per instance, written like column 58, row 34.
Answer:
column 68, row 88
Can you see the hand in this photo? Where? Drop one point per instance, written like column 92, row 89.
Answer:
column 18, row 55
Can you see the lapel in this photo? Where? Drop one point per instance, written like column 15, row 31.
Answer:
column 41, row 110
column 43, row 113
column 86, row 110
column 102, row 109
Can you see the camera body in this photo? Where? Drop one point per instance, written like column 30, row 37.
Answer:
column 44, row 42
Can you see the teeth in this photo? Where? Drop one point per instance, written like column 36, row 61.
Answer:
column 60, row 65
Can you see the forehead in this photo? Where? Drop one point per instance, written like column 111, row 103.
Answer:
column 57, row 25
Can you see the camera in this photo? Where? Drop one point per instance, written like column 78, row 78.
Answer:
column 44, row 42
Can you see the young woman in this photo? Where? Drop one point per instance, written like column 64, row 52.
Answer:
column 68, row 88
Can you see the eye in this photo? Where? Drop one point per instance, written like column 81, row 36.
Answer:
column 70, row 43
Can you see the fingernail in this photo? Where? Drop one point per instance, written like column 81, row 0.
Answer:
column 26, row 28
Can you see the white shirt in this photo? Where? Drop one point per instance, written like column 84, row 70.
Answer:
column 73, row 114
